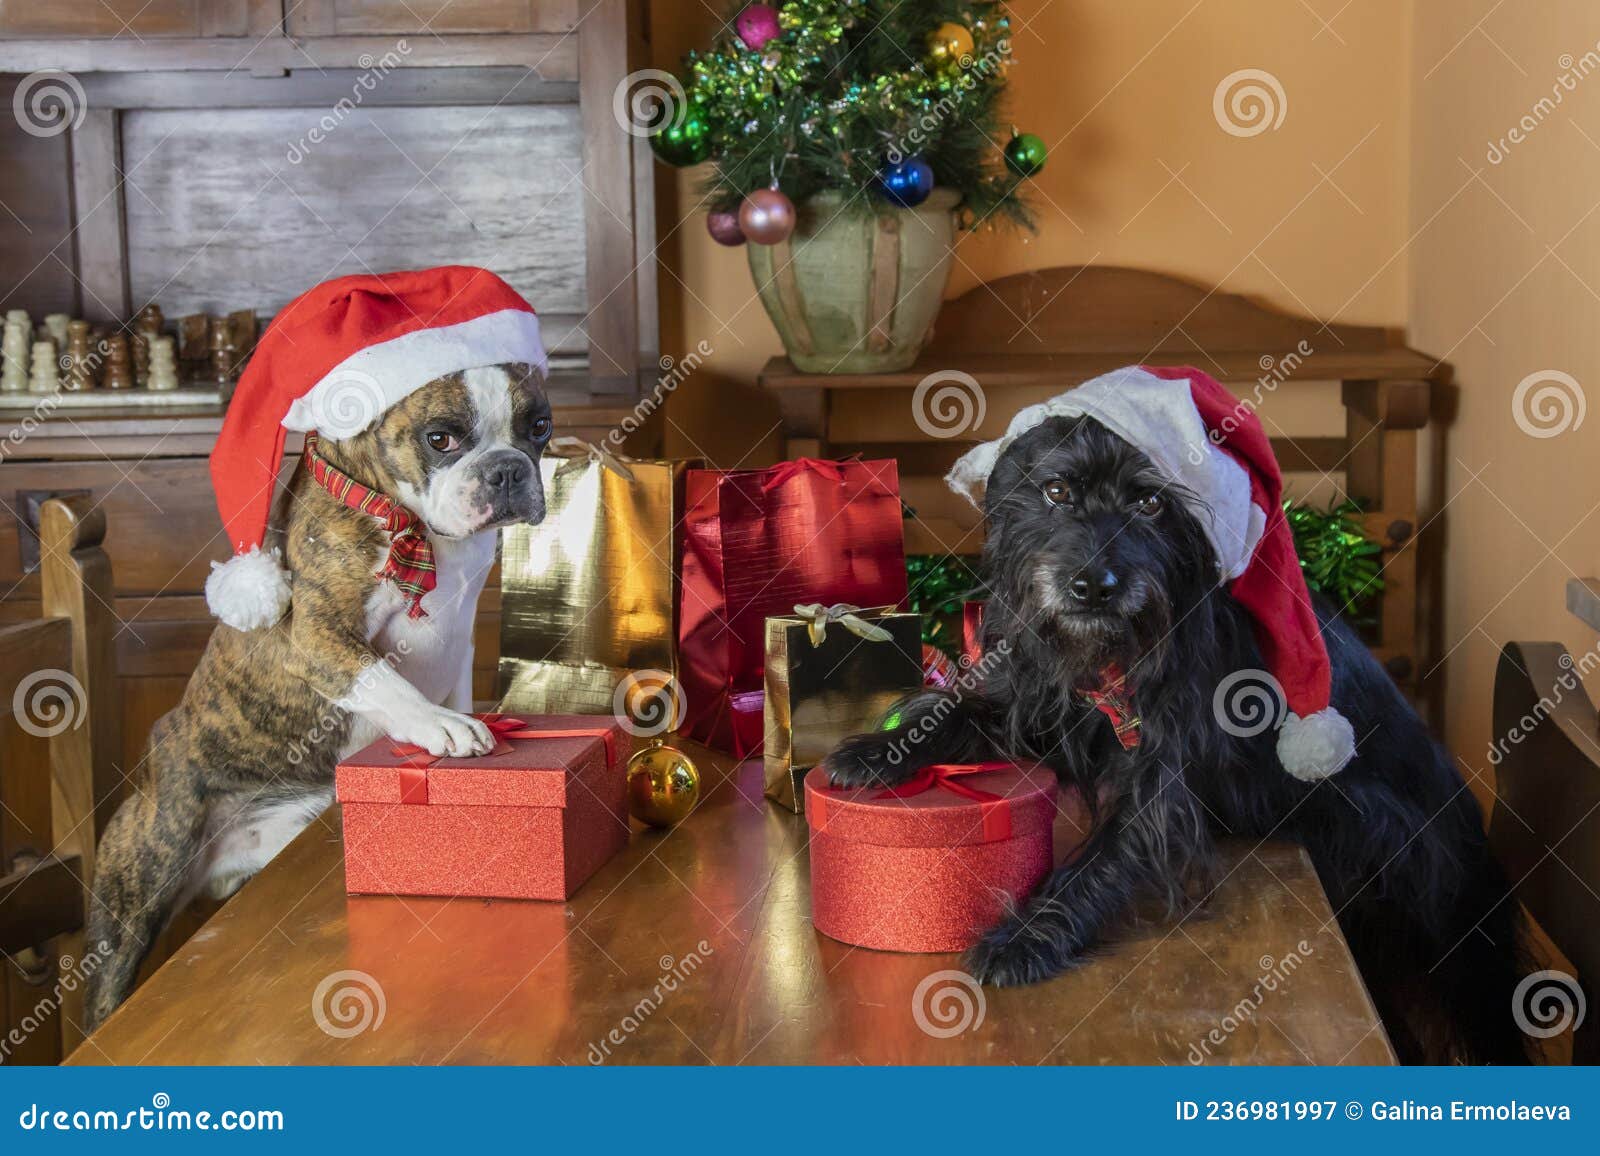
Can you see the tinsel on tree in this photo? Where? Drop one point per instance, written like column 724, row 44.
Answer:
column 878, row 100
column 937, row 587
column 1336, row 557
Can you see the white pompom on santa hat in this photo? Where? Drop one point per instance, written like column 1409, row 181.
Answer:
column 334, row 360
column 1212, row 445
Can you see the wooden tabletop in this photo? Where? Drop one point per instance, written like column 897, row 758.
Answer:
column 695, row 945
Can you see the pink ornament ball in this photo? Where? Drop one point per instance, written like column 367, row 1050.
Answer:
column 766, row 216
column 723, row 225
column 756, row 25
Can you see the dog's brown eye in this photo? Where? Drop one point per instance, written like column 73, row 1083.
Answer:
column 1056, row 492
column 443, row 442
column 539, row 428
column 1150, row 505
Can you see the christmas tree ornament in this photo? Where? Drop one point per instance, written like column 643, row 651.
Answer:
column 663, row 785
column 723, row 225
column 686, row 140
column 766, row 216
column 756, row 25
column 1025, row 154
column 948, row 44
column 908, row 182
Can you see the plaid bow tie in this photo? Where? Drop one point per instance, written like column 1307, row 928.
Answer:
column 1113, row 699
column 410, row 564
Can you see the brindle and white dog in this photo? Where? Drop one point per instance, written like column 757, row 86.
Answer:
column 246, row 759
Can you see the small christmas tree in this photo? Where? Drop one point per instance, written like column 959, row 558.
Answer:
column 878, row 100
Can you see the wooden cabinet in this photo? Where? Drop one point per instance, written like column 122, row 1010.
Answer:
column 361, row 17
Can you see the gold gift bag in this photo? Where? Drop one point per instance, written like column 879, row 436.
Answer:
column 831, row 672
column 588, row 597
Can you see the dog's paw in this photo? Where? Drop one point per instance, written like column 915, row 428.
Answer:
column 1012, row 955
column 448, row 733
column 868, row 761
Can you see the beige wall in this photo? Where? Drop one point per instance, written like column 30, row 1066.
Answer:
column 1505, row 282
column 1140, row 174
column 1360, row 207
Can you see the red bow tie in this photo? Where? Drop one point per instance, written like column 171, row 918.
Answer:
column 1113, row 699
column 410, row 564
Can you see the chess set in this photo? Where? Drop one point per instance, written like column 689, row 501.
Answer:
column 142, row 364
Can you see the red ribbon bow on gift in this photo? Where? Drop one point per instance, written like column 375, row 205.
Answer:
column 993, row 809
column 414, row 776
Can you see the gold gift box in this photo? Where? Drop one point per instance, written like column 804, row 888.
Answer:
column 588, row 597
column 821, row 691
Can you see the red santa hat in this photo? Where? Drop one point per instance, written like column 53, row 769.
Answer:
column 334, row 360
column 1212, row 445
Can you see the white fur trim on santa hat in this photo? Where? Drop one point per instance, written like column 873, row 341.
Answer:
column 1314, row 747
column 1157, row 416
column 357, row 391
column 249, row 591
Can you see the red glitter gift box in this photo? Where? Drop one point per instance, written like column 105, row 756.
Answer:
column 924, row 866
column 532, row 819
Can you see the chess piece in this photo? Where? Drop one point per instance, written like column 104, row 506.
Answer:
column 163, row 365
column 223, row 352
column 119, row 368
column 56, row 325
column 150, row 317
column 194, row 344
column 80, row 362
column 14, row 376
column 20, row 317
column 44, row 374
column 147, row 325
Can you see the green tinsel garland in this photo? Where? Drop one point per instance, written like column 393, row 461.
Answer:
column 847, row 88
column 938, row 585
column 1336, row 556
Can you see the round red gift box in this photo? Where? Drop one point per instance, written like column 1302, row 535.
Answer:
column 926, row 870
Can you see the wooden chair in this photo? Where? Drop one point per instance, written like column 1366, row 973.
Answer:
column 58, row 782
column 1546, row 821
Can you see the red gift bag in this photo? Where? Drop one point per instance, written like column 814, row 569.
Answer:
column 755, row 543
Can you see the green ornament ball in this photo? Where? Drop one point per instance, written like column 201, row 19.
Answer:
column 686, row 141
column 1025, row 154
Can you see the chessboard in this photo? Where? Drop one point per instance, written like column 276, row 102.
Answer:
column 141, row 364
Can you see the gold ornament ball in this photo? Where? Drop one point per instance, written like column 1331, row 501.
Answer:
column 949, row 42
column 663, row 785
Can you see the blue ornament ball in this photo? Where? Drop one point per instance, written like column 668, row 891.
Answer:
column 907, row 182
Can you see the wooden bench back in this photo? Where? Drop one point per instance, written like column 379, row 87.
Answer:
column 59, row 781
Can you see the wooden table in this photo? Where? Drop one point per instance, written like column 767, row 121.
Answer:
column 718, row 910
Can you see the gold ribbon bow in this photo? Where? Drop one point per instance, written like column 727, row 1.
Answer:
column 818, row 616
column 577, row 449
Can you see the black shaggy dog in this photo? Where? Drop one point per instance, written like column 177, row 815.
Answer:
column 1092, row 559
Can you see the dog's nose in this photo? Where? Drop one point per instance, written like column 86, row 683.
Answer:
column 507, row 473
column 1094, row 588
